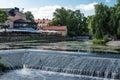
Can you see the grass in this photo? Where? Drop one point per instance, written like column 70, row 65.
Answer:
column 99, row 41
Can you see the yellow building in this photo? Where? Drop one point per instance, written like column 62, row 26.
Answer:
column 62, row 30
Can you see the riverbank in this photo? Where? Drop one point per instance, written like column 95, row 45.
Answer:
column 72, row 46
column 113, row 43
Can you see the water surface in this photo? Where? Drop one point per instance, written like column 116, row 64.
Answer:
column 32, row 74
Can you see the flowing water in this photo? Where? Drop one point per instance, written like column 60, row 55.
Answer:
column 33, row 74
column 58, row 65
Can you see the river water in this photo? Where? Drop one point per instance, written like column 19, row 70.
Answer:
column 33, row 74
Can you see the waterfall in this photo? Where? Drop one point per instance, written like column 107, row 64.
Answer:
column 65, row 63
column 12, row 58
column 80, row 65
column 25, row 71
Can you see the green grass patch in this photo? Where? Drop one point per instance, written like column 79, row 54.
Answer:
column 99, row 41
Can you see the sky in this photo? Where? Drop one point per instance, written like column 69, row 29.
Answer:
column 45, row 8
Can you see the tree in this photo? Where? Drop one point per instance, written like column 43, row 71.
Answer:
column 84, row 27
column 106, row 21
column 61, row 16
column 114, row 22
column 89, row 22
column 77, row 23
column 29, row 16
column 118, row 2
column 100, row 21
column 74, row 20
column 3, row 16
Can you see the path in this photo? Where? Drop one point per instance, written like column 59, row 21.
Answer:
column 113, row 43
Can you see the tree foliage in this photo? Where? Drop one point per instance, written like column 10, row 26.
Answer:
column 99, row 21
column 3, row 16
column 29, row 16
column 74, row 20
column 104, row 24
column 106, row 21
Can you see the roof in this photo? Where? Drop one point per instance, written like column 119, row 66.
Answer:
column 31, row 30
column 42, row 21
column 55, row 28
column 21, row 30
column 42, row 31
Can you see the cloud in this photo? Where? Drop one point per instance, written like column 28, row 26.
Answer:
column 43, row 12
column 10, row 3
column 107, row 1
column 86, row 7
column 47, row 11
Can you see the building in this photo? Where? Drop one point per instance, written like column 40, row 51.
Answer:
column 42, row 23
column 17, row 21
column 17, row 18
column 62, row 30
column 14, row 15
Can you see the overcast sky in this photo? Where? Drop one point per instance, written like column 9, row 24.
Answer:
column 45, row 8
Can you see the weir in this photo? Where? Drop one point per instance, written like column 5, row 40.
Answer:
column 63, row 62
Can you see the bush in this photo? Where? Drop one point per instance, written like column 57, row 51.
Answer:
column 106, row 38
column 2, row 66
column 99, row 41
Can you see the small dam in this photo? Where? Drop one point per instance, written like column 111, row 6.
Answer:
column 62, row 62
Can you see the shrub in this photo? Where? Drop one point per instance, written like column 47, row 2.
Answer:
column 2, row 66
column 106, row 38
column 99, row 41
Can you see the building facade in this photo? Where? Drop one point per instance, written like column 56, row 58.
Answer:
column 62, row 30
column 15, row 16
column 42, row 23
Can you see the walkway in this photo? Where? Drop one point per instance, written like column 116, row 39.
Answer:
column 113, row 43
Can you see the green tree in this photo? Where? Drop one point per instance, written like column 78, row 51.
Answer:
column 100, row 21
column 118, row 2
column 105, row 22
column 77, row 23
column 114, row 23
column 84, row 28
column 29, row 16
column 61, row 16
column 117, row 27
column 89, row 22
column 74, row 20
column 118, row 32
column 3, row 16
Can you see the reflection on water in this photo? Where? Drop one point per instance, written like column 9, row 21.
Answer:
column 44, row 75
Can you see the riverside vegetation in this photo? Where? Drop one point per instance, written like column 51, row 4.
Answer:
column 2, row 66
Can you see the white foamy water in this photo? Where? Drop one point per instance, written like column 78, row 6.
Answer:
column 32, row 74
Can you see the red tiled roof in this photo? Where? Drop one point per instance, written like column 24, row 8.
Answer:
column 56, row 28
column 42, row 21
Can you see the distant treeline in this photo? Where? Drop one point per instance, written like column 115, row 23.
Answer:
column 104, row 24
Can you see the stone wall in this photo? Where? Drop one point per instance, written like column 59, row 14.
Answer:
column 13, row 36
